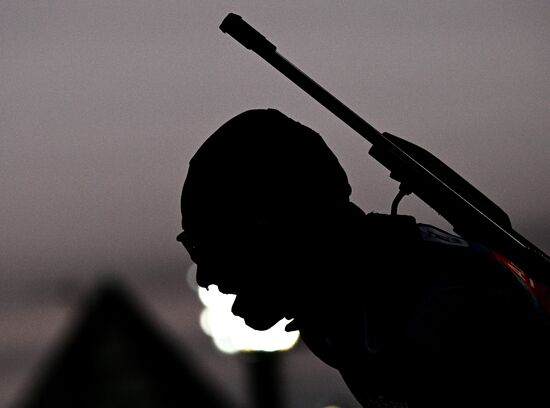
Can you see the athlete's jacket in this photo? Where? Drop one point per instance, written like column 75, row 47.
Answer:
column 437, row 321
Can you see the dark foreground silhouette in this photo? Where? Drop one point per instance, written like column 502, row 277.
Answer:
column 403, row 310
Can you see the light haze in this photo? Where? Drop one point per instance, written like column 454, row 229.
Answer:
column 103, row 103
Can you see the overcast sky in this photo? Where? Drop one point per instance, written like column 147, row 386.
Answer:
column 102, row 104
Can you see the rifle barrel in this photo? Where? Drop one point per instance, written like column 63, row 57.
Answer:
column 507, row 240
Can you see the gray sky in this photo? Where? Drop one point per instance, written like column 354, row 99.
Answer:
column 102, row 103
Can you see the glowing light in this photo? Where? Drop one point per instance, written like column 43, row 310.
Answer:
column 230, row 333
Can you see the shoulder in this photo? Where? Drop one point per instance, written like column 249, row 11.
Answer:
column 404, row 230
column 415, row 260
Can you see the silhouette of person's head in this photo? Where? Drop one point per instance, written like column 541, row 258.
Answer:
column 261, row 206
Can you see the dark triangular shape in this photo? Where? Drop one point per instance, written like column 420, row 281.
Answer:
column 116, row 357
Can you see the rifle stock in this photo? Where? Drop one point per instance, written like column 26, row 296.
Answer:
column 470, row 212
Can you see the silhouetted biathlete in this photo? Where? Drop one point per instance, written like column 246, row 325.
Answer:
column 404, row 311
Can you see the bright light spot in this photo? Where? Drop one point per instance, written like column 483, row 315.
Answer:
column 231, row 334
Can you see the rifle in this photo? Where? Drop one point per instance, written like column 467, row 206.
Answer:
column 472, row 215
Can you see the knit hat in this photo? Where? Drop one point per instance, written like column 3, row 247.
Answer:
column 261, row 163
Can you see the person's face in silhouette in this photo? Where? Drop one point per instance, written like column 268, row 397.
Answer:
column 247, row 205
column 253, row 260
